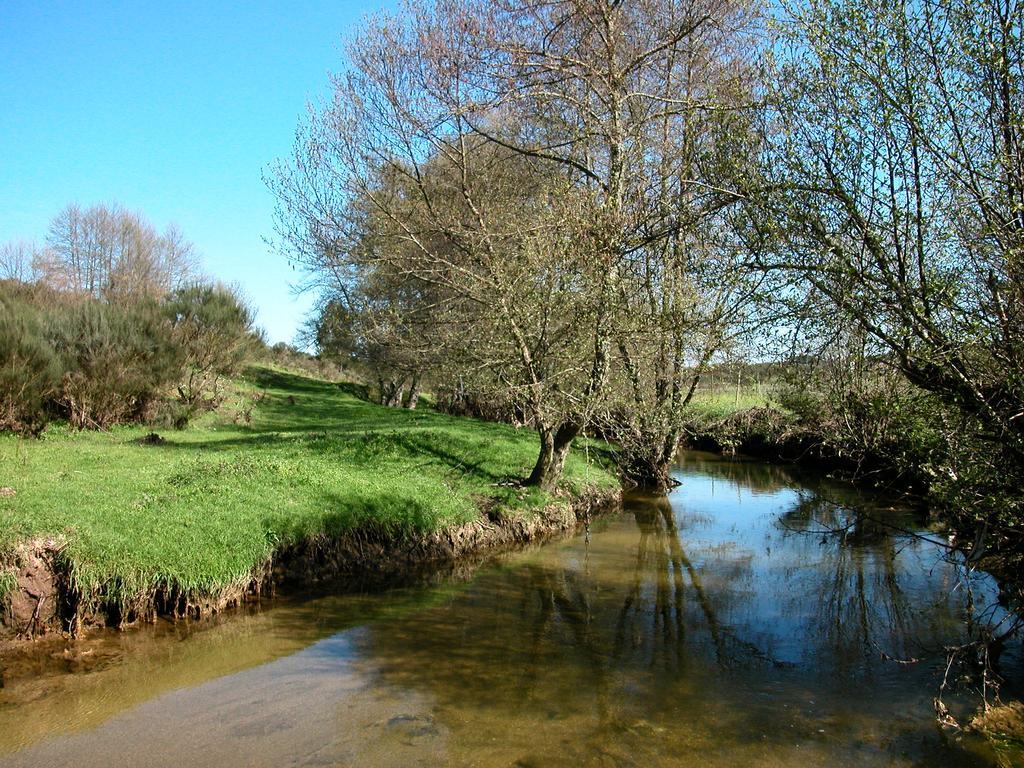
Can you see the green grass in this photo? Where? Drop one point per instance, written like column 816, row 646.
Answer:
column 715, row 406
column 205, row 507
column 8, row 582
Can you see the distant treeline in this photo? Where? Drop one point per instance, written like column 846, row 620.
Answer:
column 110, row 322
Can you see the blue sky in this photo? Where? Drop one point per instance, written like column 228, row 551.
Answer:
column 175, row 110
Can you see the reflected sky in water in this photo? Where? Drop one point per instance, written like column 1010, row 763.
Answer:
column 750, row 618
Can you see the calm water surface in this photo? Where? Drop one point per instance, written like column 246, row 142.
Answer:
column 723, row 626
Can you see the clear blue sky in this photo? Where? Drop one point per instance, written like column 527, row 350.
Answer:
column 173, row 109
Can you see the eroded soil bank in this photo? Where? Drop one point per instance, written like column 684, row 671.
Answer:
column 39, row 595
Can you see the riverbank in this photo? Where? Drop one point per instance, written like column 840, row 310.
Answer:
column 767, row 432
column 292, row 479
column 719, row 606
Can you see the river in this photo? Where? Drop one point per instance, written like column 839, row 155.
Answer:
column 752, row 618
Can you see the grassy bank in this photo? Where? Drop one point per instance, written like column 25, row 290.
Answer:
column 712, row 406
column 286, row 459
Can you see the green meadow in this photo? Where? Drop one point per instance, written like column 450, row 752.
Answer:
column 286, row 457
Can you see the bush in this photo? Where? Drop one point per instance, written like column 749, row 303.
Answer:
column 117, row 360
column 31, row 370
column 171, row 414
column 871, row 416
column 213, row 328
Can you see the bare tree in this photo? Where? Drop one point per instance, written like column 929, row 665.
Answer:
column 685, row 295
column 20, row 260
column 108, row 252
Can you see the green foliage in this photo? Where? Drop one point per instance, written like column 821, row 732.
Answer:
column 204, row 507
column 100, row 363
column 366, row 332
column 897, row 213
column 117, row 360
column 30, row 372
column 868, row 416
column 213, row 328
column 978, row 483
column 335, row 331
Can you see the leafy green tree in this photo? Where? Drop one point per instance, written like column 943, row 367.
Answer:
column 896, row 189
column 214, row 331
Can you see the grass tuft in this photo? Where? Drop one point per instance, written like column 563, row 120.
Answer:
column 8, row 583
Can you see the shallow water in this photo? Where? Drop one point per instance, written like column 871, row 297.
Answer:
column 726, row 625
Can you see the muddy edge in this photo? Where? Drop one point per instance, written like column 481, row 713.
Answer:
column 45, row 599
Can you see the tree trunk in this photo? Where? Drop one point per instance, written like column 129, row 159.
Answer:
column 651, row 473
column 413, row 395
column 390, row 392
column 652, row 469
column 555, row 443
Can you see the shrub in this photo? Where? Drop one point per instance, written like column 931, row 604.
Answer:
column 31, row 370
column 213, row 328
column 117, row 360
column 171, row 414
column 871, row 416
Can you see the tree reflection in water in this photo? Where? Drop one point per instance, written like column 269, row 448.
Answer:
column 722, row 603
column 653, row 619
column 865, row 607
column 862, row 610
